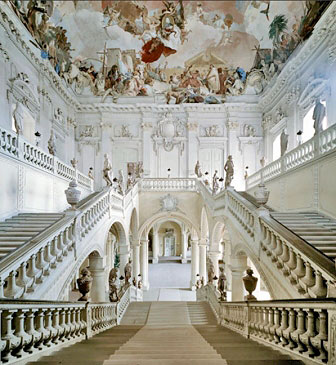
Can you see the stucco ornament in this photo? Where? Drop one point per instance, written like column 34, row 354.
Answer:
column 168, row 203
column 168, row 130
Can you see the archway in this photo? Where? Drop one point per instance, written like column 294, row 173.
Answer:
column 165, row 239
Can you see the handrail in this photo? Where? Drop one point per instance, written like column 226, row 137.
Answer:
column 30, row 326
column 22, row 269
column 316, row 147
column 17, row 147
column 304, row 327
column 168, row 184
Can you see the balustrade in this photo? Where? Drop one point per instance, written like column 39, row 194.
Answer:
column 171, row 184
column 9, row 143
column 316, row 147
column 29, row 327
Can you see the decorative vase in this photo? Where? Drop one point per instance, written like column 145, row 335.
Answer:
column 262, row 194
column 84, row 284
column 72, row 194
column 250, row 284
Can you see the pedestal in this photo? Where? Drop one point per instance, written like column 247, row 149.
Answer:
column 96, row 268
column 194, row 263
column 202, row 262
column 155, row 247
column 136, row 260
column 184, row 247
column 144, row 264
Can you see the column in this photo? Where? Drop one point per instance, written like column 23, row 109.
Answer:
column 155, row 245
column 136, row 259
column 124, row 256
column 192, row 143
column 96, row 268
column 184, row 245
column 202, row 261
column 144, row 263
column 214, row 257
column 238, row 266
column 194, row 263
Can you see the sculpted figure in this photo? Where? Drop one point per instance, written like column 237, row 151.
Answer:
column 198, row 171
column 106, row 170
column 18, row 118
column 229, row 170
column 283, row 142
column 215, row 185
column 84, row 284
column 128, row 271
column 90, row 173
column 52, row 144
column 113, row 290
column 221, row 284
column 318, row 116
column 121, row 182
column 211, row 272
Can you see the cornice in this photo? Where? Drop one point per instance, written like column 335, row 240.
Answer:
column 324, row 31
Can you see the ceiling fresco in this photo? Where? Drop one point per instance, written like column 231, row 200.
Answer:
column 189, row 51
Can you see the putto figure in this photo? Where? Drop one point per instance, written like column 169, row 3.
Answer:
column 229, row 170
column 107, row 169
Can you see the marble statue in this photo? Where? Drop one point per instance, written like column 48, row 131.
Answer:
column 74, row 163
column 211, row 272
column 113, row 290
column 84, row 284
column 52, row 143
column 222, row 284
column 128, row 271
column 215, row 185
column 18, row 118
column 283, row 142
column 121, row 182
column 90, row 173
column 318, row 116
column 106, row 170
column 229, row 170
column 139, row 170
column 198, row 171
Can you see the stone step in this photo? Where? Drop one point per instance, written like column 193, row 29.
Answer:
column 14, row 239
column 6, row 249
column 28, row 225
column 40, row 214
column 322, row 242
column 158, row 351
column 160, row 356
column 166, row 362
column 14, row 234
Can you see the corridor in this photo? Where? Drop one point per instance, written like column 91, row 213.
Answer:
column 167, row 333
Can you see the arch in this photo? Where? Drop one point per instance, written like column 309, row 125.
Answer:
column 121, row 233
column 216, row 236
column 148, row 224
column 241, row 249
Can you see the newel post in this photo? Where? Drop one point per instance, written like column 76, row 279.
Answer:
column 331, row 337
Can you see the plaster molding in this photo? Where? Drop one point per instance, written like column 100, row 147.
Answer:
column 4, row 53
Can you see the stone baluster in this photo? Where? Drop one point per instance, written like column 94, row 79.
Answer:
column 283, row 326
column 273, row 329
column 284, row 258
column 290, row 329
column 55, row 251
column 318, row 341
column 309, row 279
column 320, row 288
column 73, row 324
column 66, row 238
column 55, row 323
column 49, row 327
column 270, row 324
column 49, row 258
column 13, row 291
column 33, row 271
column 265, row 323
column 300, row 329
column 23, row 280
column 273, row 245
column 30, row 328
column 291, row 264
column 40, row 328
column 41, row 264
column 310, row 333
column 299, row 272
column 25, row 338
column 277, row 252
column 7, row 335
column 61, row 245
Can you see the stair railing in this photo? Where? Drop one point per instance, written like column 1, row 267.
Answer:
column 303, row 327
column 26, row 267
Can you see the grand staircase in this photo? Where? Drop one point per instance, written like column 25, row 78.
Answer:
column 316, row 229
column 19, row 229
column 167, row 333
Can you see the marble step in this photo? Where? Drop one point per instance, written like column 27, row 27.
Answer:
column 15, row 239
column 161, row 355
column 15, row 234
column 166, row 362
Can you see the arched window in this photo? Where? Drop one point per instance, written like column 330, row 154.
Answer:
column 276, row 147
column 308, row 124
column 27, row 122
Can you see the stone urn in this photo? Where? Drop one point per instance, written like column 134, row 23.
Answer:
column 261, row 194
column 84, row 284
column 72, row 194
column 250, row 283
